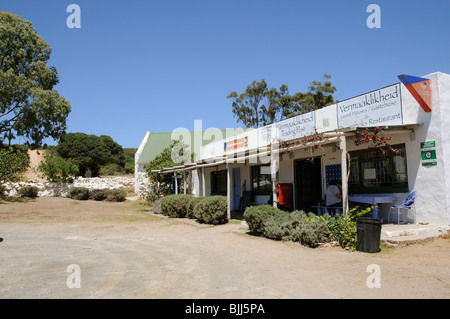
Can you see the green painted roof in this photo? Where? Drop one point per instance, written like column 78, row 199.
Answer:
column 157, row 142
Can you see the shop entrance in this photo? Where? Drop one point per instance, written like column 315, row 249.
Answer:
column 308, row 184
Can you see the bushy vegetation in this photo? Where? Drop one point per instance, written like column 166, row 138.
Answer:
column 208, row 210
column 212, row 210
column 256, row 216
column 57, row 169
column 110, row 195
column 98, row 194
column 156, row 205
column 306, row 228
column 116, row 195
column 13, row 163
column 29, row 191
column 191, row 205
column 175, row 206
column 91, row 152
column 79, row 193
column 343, row 228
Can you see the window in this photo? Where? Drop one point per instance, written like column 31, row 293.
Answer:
column 370, row 172
column 261, row 180
column 219, row 182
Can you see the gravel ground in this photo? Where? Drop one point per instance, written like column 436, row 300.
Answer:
column 122, row 250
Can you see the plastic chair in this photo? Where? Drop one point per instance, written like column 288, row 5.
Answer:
column 408, row 205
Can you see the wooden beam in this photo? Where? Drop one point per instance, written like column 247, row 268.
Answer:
column 344, row 177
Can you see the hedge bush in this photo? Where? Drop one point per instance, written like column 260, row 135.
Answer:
column 175, row 206
column 79, row 193
column 212, row 210
column 190, row 207
column 297, row 226
column 29, row 191
column 98, row 194
column 156, row 205
column 256, row 216
column 116, row 195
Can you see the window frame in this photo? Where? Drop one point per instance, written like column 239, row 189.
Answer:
column 395, row 187
column 214, row 188
column 258, row 190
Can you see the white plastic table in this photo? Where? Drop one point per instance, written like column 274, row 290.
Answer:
column 373, row 199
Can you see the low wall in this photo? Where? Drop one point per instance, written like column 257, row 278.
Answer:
column 47, row 189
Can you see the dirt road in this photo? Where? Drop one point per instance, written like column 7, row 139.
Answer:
column 124, row 251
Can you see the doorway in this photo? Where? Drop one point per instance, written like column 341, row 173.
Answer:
column 308, row 184
column 237, row 187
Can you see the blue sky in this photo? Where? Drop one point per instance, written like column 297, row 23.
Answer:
column 135, row 65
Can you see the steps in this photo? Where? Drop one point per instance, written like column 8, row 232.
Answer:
column 401, row 235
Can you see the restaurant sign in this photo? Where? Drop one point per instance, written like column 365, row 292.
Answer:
column 376, row 108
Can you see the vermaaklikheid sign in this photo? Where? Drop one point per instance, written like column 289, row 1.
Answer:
column 380, row 107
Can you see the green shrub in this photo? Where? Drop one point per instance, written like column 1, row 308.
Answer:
column 98, row 194
column 79, row 193
column 343, row 228
column 111, row 169
column 13, row 163
column 256, row 216
column 58, row 169
column 29, row 191
column 190, row 207
column 175, row 206
column 310, row 232
column 116, row 195
column 297, row 226
column 273, row 226
column 156, row 206
column 212, row 210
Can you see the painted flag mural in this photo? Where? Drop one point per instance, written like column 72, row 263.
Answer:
column 236, row 144
column 420, row 88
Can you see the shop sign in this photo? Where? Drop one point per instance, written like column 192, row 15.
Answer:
column 428, row 151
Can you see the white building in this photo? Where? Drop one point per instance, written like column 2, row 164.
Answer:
column 305, row 152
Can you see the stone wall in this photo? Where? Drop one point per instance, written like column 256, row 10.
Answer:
column 47, row 189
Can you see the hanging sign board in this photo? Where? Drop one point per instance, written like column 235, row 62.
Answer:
column 428, row 151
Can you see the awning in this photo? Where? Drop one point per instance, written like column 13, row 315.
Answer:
column 329, row 137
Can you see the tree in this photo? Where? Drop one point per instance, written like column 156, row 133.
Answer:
column 162, row 183
column 318, row 96
column 57, row 169
column 30, row 106
column 259, row 105
column 246, row 106
column 13, row 162
column 90, row 152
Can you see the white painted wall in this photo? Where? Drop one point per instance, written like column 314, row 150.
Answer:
column 432, row 182
column 140, row 174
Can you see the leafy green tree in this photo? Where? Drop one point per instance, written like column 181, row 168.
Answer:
column 161, row 183
column 90, row 152
column 246, row 106
column 30, row 106
column 259, row 105
column 319, row 95
column 13, row 163
column 58, row 169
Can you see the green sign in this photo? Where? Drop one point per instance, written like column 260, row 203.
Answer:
column 430, row 144
column 428, row 153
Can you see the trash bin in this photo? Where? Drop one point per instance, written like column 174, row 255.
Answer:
column 368, row 234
